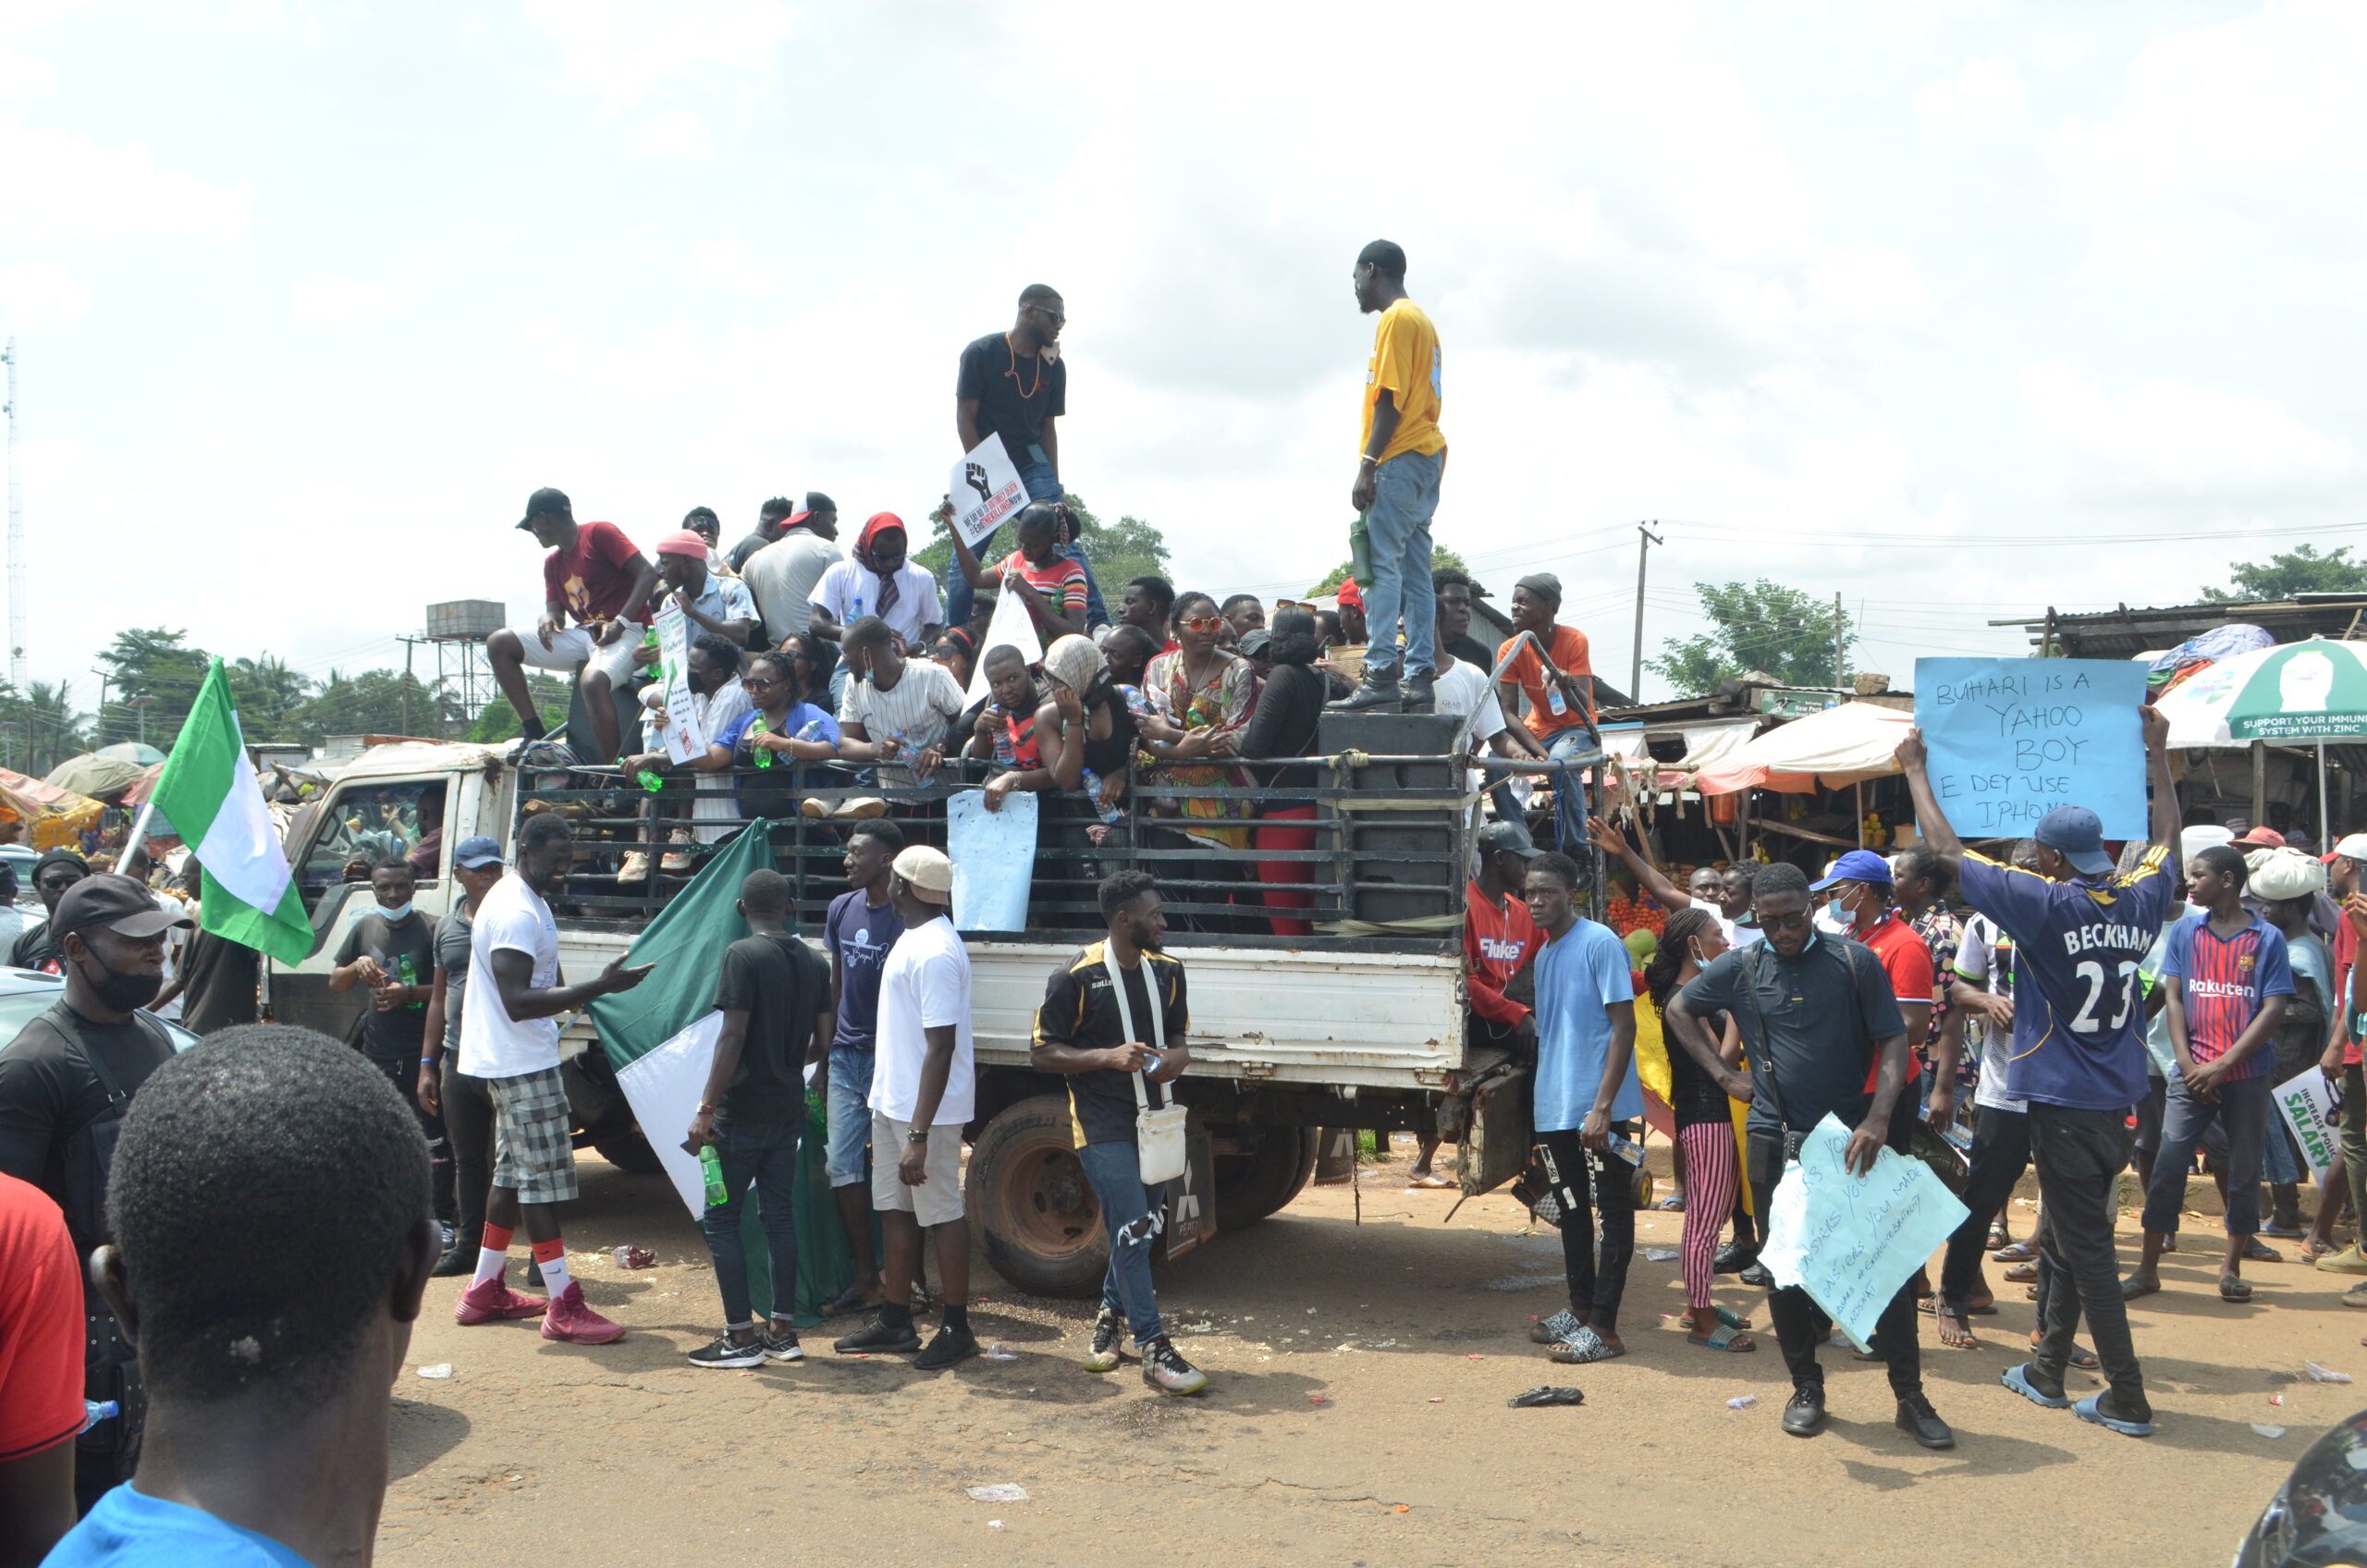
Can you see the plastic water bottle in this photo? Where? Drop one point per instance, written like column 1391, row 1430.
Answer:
column 712, row 1164
column 97, row 1410
column 1108, row 813
column 762, row 757
column 812, row 732
column 1626, row 1150
column 1554, row 701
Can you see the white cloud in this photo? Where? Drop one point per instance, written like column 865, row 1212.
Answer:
column 623, row 50
column 676, row 133
column 330, row 300
column 37, row 294
column 2161, row 439
column 58, row 187
column 1983, row 102
column 730, row 266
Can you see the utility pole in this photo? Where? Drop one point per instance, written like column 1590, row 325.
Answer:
column 99, row 720
column 1836, row 641
column 1636, row 668
column 16, row 534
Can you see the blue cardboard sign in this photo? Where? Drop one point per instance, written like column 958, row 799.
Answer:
column 2010, row 740
column 994, row 859
column 1852, row 1241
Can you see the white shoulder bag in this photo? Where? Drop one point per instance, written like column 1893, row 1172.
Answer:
column 1158, row 1133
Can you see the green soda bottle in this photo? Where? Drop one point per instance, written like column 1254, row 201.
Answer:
column 408, row 971
column 763, row 757
column 712, row 1163
column 649, row 782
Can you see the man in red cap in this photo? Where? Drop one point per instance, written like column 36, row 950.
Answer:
column 782, row 574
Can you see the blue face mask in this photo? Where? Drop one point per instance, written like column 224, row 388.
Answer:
column 394, row 916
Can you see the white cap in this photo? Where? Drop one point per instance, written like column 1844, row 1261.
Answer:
column 2351, row 846
column 2287, row 873
column 927, row 871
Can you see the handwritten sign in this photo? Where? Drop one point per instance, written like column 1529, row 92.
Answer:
column 1851, row 1241
column 679, row 726
column 985, row 490
column 1014, row 624
column 2308, row 1103
column 2010, row 740
column 994, row 859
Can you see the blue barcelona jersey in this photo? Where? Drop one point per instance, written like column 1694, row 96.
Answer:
column 2078, row 1006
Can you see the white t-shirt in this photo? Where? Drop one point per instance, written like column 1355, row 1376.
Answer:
column 512, row 918
column 851, row 591
column 924, row 702
column 782, row 576
column 923, row 984
column 1465, row 690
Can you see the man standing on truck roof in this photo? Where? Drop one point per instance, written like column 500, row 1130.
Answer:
column 775, row 998
column 594, row 574
column 510, row 1035
column 1014, row 385
column 1113, row 1014
column 1587, row 1096
column 924, row 1092
column 861, row 927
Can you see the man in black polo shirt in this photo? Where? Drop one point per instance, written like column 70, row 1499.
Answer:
column 1014, row 384
column 65, row 1083
column 1815, row 1012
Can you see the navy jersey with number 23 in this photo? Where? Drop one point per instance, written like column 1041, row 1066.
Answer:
column 2078, row 1008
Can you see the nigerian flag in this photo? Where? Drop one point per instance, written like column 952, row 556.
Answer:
column 208, row 792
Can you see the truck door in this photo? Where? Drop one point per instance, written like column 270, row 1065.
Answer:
column 360, row 824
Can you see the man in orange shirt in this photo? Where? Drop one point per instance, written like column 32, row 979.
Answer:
column 1561, row 711
column 1397, row 486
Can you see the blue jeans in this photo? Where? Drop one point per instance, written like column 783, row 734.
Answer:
column 2241, row 1111
column 763, row 1156
column 849, row 1111
column 2278, row 1162
column 1405, row 496
column 1132, row 1224
column 1043, row 485
column 1569, row 791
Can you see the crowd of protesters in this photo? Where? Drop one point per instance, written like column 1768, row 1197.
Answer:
column 197, row 1194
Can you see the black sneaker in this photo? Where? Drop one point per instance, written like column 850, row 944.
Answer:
column 1109, row 1333
column 782, row 1347
column 1376, row 693
column 725, row 1352
column 1733, row 1259
column 1169, row 1373
column 456, row 1260
column 950, row 1346
column 1804, row 1417
column 1758, row 1277
column 1920, row 1421
column 879, row 1337
column 533, row 1274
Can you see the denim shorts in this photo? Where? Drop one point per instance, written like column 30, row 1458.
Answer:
column 849, row 1111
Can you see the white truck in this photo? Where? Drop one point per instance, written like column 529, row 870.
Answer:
column 1289, row 1036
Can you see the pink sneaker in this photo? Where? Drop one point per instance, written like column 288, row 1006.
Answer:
column 492, row 1301
column 571, row 1320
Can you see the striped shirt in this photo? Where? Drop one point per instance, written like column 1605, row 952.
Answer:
column 1062, row 583
column 916, row 710
column 2228, row 980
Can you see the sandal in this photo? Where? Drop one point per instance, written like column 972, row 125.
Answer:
column 2022, row 1273
column 2231, row 1288
column 1931, row 1305
column 1672, row 1203
column 2257, row 1252
column 2081, row 1357
column 2130, row 1290
column 1428, row 1182
column 1955, row 1329
column 2020, row 1252
column 1724, row 1338
column 1731, row 1318
column 1545, row 1394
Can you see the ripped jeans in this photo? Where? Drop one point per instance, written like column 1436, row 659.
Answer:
column 1133, row 1224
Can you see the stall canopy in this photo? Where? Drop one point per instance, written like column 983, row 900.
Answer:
column 1841, row 746
column 53, row 818
column 1706, row 745
column 102, row 778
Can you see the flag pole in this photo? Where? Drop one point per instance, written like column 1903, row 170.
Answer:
column 136, row 846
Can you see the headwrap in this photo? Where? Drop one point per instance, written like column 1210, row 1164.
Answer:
column 891, row 590
column 1076, row 662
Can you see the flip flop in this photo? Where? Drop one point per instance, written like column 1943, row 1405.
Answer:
column 2131, row 1290
column 2081, row 1357
column 2234, row 1289
column 2255, row 1253
column 1672, row 1204
column 1545, row 1394
column 2020, row 1252
column 2090, row 1409
column 2018, row 1378
column 1426, row 1182
column 2022, row 1273
column 2283, row 1232
column 1724, row 1338
column 1731, row 1319
column 1931, row 1305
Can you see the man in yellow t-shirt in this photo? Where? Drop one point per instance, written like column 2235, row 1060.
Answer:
column 1397, row 486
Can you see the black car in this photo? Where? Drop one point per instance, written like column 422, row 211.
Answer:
column 2318, row 1518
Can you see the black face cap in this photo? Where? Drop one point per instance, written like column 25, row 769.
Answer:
column 545, row 502
column 117, row 902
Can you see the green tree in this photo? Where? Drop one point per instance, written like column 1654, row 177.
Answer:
column 1440, row 556
column 2299, row 571
column 152, row 677
column 1760, row 626
column 270, row 696
column 498, row 721
column 38, row 728
column 377, row 702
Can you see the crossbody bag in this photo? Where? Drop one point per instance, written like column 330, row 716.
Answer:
column 1160, row 1149
column 1766, row 1151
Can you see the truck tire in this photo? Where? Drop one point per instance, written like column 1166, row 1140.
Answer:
column 1036, row 1213
column 1251, row 1186
column 628, row 1152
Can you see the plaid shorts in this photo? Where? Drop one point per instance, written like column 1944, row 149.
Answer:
column 532, row 1154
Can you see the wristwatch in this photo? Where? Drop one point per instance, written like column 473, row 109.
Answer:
column 917, row 1136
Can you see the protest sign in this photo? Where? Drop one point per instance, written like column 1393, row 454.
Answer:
column 994, row 859
column 2010, row 740
column 2308, row 1103
column 679, row 726
column 985, row 490
column 1851, row 1241
column 1013, row 623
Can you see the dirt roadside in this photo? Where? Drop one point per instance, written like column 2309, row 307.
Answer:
column 1357, row 1417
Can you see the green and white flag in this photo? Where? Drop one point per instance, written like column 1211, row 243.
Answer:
column 209, row 792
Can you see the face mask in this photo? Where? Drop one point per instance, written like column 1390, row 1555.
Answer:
column 124, row 993
column 395, row 916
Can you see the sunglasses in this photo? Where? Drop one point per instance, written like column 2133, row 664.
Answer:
column 1794, row 922
column 1201, row 622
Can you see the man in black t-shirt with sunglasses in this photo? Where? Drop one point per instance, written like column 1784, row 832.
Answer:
column 1014, row 384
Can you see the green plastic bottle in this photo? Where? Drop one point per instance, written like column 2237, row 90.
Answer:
column 649, row 782
column 408, row 971
column 712, row 1163
column 763, row 757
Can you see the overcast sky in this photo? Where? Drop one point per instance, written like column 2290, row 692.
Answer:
column 1957, row 308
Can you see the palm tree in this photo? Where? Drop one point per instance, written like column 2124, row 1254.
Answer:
column 268, row 694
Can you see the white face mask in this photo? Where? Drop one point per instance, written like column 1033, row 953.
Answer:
column 395, row 916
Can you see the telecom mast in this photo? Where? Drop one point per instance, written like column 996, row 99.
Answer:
column 16, row 534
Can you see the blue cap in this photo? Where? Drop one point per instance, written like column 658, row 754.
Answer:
column 477, row 852
column 1858, row 865
column 2076, row 834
